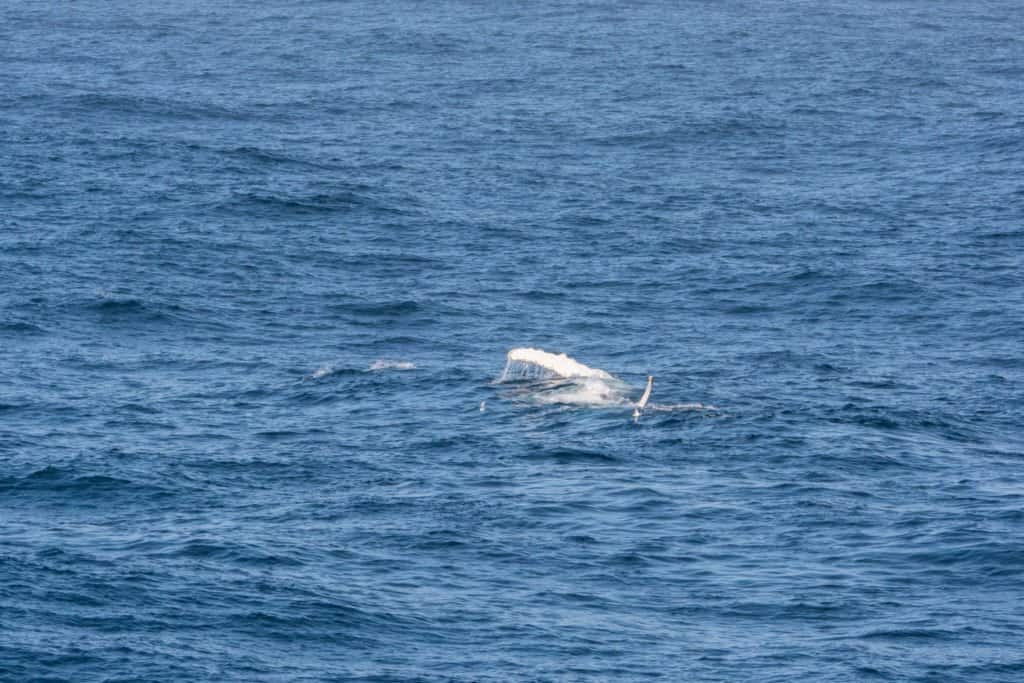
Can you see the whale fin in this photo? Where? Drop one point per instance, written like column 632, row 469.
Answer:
column 642, row 403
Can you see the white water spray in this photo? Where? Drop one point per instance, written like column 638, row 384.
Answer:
column 391, row 365
column 566, row 381
column 555, row 378
column 528, row 363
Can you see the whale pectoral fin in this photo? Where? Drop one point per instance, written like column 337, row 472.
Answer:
column 647, row 393
column 642, row 403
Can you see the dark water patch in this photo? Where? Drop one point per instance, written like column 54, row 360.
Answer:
column 999, row 236
column 543, row 295
column 21, row 327
column 794, row 611
column 880, row 383
column 263, row 157
column 334, row 199
column 375, row 309
column 442, row 540
column 127, row 312
column 989, row 559
column 895, row 290
column 112, row 308
column 285, row 205
column 322, row 393
column 746, row 309
column 719, row 130
column 567, row 456
column 911, row 634
column 255, row 466
column 139, row 408
column 136, row 424
column 585, row 539
column 127, row 106
column 234, row 553
column 67, row 560
column 398, row 261
column 894, row 419
column 74, row 488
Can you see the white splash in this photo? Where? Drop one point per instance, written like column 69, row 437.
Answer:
column 391, row 365
column 564, row 380
column 590, row 391
column 673, row 407
column 551, row 378
column 528, row 361
column 322, row 371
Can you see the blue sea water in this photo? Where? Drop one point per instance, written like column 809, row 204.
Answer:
column 260, row 265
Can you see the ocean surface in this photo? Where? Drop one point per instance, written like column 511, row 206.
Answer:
column 261, row 264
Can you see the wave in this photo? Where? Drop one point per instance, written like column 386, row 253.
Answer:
column 130, row 104
column 119, row 310
column 382, row 364
column 332, row 369
column 21, row 327
column 337, row 199
column 322, row 371
column 377, row 308
column 73, row 485
column 674, row 407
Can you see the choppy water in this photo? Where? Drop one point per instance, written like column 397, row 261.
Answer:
column 260, row 264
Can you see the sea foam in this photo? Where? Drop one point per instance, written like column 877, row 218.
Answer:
column 391, row 365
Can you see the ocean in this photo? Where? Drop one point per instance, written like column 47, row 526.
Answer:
column 262, row 265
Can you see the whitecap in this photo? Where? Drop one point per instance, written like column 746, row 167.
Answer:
column 391, row 365
column 322, row 371
column 672, row 407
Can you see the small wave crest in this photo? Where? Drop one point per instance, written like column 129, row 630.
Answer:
column 383, row 364
column 328, row 370
column 674, row 407
column 322, row 371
